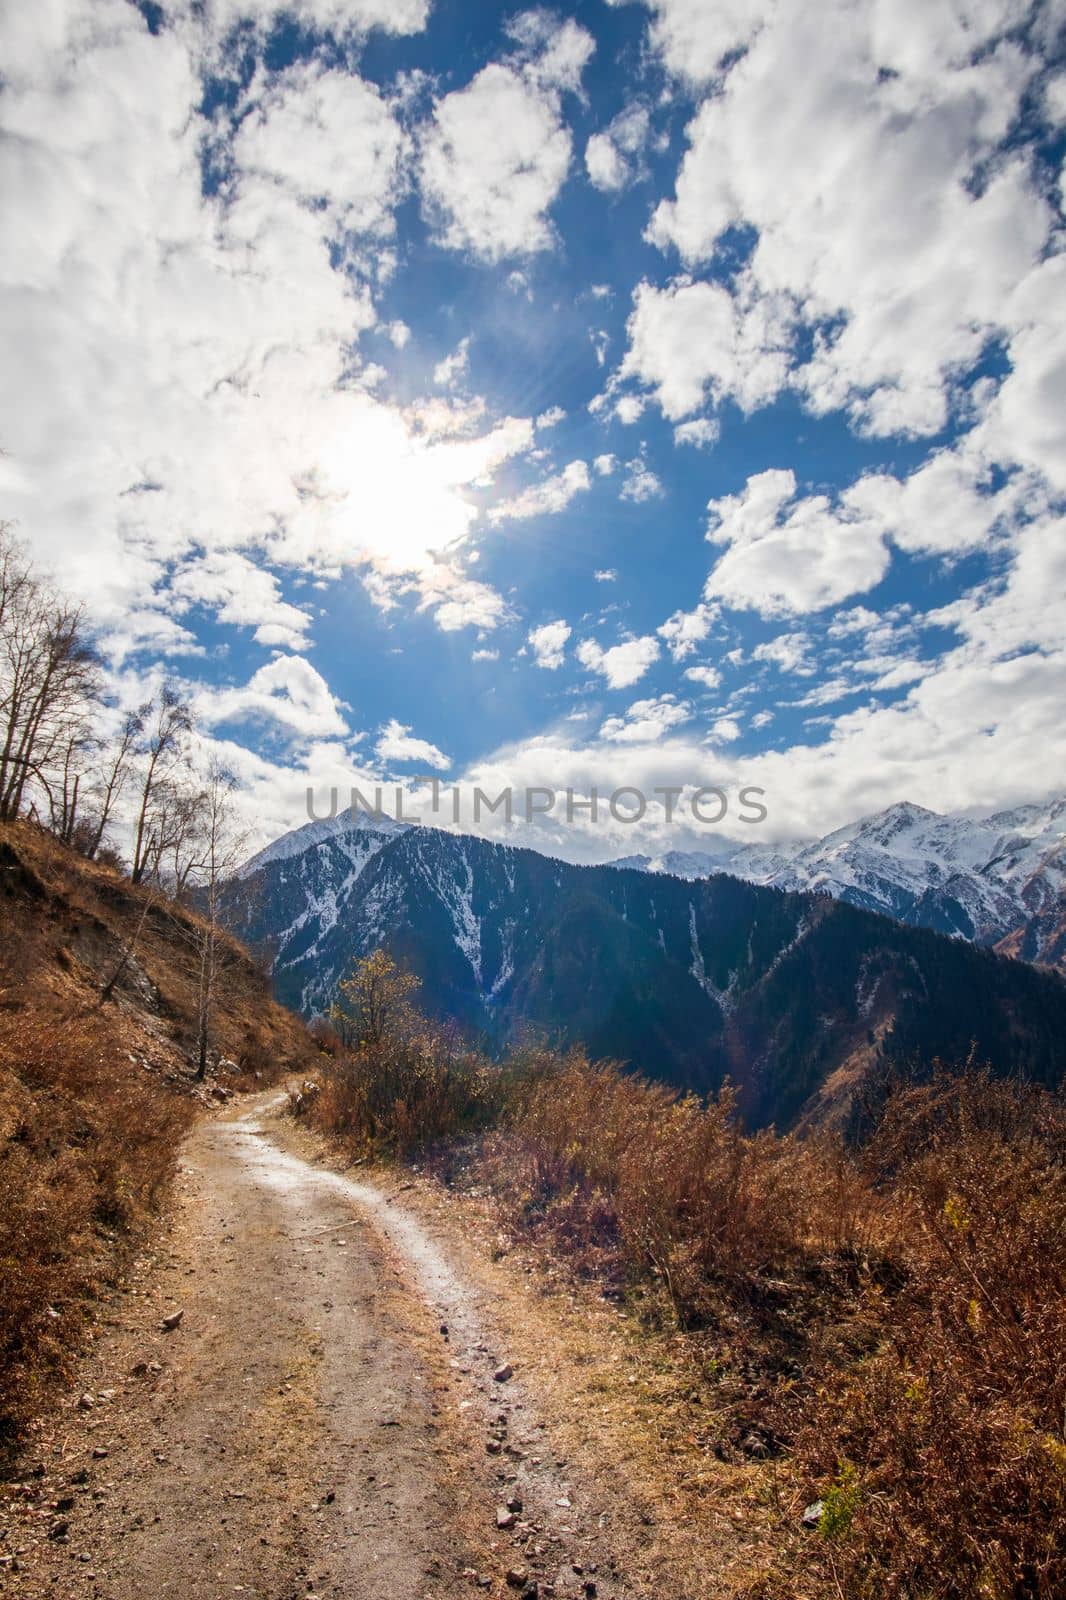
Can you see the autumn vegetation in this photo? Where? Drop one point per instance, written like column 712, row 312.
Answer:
column 883, row 1326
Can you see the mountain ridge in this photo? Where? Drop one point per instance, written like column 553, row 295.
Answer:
column 997, row 880
column 799, row 998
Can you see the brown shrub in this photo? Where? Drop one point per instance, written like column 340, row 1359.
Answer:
column 396, row 1082
column 949, row 1437
column 894, row 1317
column 693, row 1199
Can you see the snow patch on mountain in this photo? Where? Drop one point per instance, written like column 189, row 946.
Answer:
column 345, row 829
column 981, row 878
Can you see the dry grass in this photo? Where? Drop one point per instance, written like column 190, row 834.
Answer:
column 882, row 1329
column 87, row 1147
column 94, row 1098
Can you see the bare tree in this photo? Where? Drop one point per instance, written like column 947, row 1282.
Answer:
column 112, row 781
column 66, row 786
column 223, row 846
column 49, row 683
column 167, row 725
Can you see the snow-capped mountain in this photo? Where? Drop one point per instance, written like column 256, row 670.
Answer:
column 342, row 830
column 797, row 997
column 996, row 880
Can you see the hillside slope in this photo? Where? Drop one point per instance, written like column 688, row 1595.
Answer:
column 795, row 997
column 94, row 1097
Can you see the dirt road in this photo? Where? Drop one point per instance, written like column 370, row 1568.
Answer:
column 331, row 1416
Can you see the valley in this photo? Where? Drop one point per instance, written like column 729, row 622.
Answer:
column 800, row 998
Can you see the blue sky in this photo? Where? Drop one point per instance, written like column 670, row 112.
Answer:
column 607, row 393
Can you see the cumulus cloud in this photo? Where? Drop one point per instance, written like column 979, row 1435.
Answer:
column 328, row 139
column 857, row 175
column 453, row 368
column 546, row 498
column 180, row 380
column 629, row 408
column 693, row 37
column 787, row 651
column 339, row 16
column 623, row 664
column 548, row 643
column 396, row 743
column 687, row 629
column 610, row 156
column 701, row 432
column 646, row 720
column 1026, row 421
column 786, row 555
column 287, row 691
column 707, row 677
column 497, row 153
column 640, row 482
column 239, row 592
column 690, row 341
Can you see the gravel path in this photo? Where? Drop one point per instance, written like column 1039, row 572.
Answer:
column 329, row 1418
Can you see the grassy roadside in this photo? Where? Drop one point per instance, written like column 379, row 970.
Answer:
column 759, row 1325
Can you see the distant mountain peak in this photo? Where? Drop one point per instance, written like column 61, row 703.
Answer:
column 691, row 979
column 996, row 880
column 321, row 831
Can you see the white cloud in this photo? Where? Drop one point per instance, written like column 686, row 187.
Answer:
column 288, row 691
column 399, row 334
column 786, row 556
column 485, row 655
column 546, row 498
column 693, row 36
column 701, row 432
column 725, row 730
column 641, row 483
column 646, row 720
column 396, row 743
column 457, row 601
column 552, row 417
column 1027, row 420
column 610, row 155
column 328, row 139
column 691, row 340
column 241, row 593
column 686, row 629
column 341, row 16
column 789, row 652
column 706, row 677
column 452, row 369
column 1055, row 99
column 179, row 380
column 548, row 643
column 856, row 173
column 623, row 664
column 497, row 152
column 630, row 408
column 605, row 575
column 604, row 465
column 552, row 51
